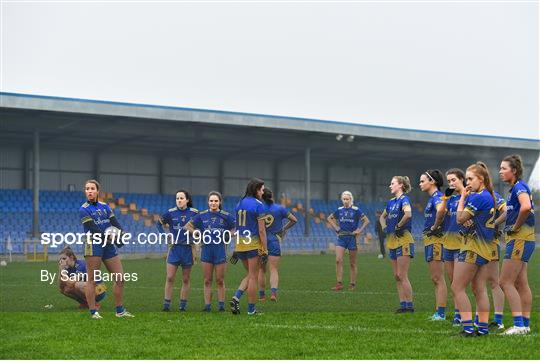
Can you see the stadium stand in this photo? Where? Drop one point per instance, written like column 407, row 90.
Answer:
column 138, row 213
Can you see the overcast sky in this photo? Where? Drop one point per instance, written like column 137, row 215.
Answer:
column 468, row 67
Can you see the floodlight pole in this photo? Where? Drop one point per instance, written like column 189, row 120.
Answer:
column 35, row 222
column 307, row 225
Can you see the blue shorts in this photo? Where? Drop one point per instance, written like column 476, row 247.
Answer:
column 180, row 255
column 274, row 247
column 433, row 252
column 247, row 254
column 520, row 250
column 472, row 258
column 97, row 250
column 450, row 255
column 213, row 253
column 347, row 242
column 401, row 251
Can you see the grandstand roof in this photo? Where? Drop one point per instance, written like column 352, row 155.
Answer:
column 103, row 125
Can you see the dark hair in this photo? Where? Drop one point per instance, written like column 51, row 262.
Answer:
column 68, row 252
column 93, row 181
column 481, row 169
column 96, row 183
column 436, row 176
column 188, row 197
column 268, row 196
column 458, row 173
column 516, row 163
column 217, row 194
column 253, row 186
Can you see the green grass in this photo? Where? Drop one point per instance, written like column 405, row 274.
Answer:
column 308, row 322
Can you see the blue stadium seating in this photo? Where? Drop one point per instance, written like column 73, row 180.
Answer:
column 59, row 213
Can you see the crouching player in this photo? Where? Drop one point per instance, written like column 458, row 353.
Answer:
column 72, row 280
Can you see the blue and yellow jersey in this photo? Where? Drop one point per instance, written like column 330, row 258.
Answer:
column 214, row 223
column 452, row 237
column 501, row 203
column 79, row 270
column 481, row 207
column 394, row 213
column 78, row 267
column 526, row 231
column 98, row 212
column 430, row 214
column 248, row 212
column 275, row 215
column 348, row 219
column 176, row 219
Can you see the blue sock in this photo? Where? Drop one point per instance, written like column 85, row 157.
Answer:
column 409, row 305
column 120, row 309
column 92, row 312
column 238, row 294
column 518, row 321
column 262, row 294
column 251, row 307
column 273, row 290
column 208, row 307
column 166, row 304
column 441, row 311
column 498, row 318
column 457, row 315
column 483, row 328
column 221, row 305
column 183, row 304
column 468, row 326
column 403, row 305
column 476, row 319
column 526, row 321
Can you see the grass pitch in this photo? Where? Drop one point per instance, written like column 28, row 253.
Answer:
column 308, row 321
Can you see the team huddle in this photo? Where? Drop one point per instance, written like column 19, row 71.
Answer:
column 463, row 230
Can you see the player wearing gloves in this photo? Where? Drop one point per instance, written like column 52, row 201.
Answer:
column 275, row 233
column 250, row 247
column 212, row 228
column 349, row 222
column 73, row 276
column 519, row 245
column 97, row 218
column 431, row 182
column 396, row 222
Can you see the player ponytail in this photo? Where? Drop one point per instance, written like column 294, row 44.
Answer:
column 436, row 177
column 405, row 183
column 481, row 170
column 516, row 164
column 217, row 194
column 268, row 196
column 188, row 197
column 253, row 186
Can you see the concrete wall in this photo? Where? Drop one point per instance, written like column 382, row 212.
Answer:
column 142, row 173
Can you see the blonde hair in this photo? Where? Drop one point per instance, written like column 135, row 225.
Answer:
column 347, row 193
column 404, row 181
column 68, row 252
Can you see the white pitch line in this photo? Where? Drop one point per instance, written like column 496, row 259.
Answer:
column 353, row 329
